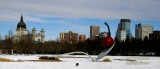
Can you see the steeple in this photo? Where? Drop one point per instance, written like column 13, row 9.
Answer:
column 21, row 23
column 21, row 18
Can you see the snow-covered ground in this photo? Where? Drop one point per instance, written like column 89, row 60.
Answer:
column 118, row 62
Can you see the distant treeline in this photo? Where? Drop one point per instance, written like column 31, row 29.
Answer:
column 130, row 46
column 135, row 47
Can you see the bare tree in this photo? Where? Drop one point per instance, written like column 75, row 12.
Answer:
column 0, row 41
column 24, row 44
column 8, row 43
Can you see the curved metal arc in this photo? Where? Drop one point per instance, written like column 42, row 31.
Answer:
column 109, row 33
column 75, row 53
column 78, row 52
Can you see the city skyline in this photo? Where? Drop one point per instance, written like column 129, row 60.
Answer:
column 60, row 16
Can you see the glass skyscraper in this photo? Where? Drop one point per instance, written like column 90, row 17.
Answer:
column 126, row 26
column 123, row 29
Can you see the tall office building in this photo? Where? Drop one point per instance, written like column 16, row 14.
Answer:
column 143, row 30
column 69, row 37
column 82, row 37
column 121, row 35
column 154, row 35
column 123, row 29
column 94, row 31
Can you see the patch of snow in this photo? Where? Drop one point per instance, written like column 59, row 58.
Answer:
column 84, row 63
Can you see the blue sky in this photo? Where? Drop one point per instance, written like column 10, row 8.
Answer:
column 55, row 16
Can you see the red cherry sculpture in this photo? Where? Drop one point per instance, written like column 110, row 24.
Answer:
column 108, row 41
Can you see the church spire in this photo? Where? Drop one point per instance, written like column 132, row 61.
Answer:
column 21, row 23
column 21, row 18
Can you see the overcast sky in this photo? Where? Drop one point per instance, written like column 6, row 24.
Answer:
column 56, row 16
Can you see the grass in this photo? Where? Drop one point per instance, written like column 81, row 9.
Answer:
column 6, row 60
column 44, row 60
column 9, row 60
column 107, row 60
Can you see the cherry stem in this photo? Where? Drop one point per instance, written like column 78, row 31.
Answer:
column 109, row 33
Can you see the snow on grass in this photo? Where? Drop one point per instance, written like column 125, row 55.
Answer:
column 22, row 57
column 118, row 62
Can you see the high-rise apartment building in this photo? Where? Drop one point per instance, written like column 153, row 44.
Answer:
column 94, row 31
column 123, row 29
column 143, row 30
column 69, row 37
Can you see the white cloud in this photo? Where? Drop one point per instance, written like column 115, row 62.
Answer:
column 31, row 19
column 38, row 11
column 104, row 9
